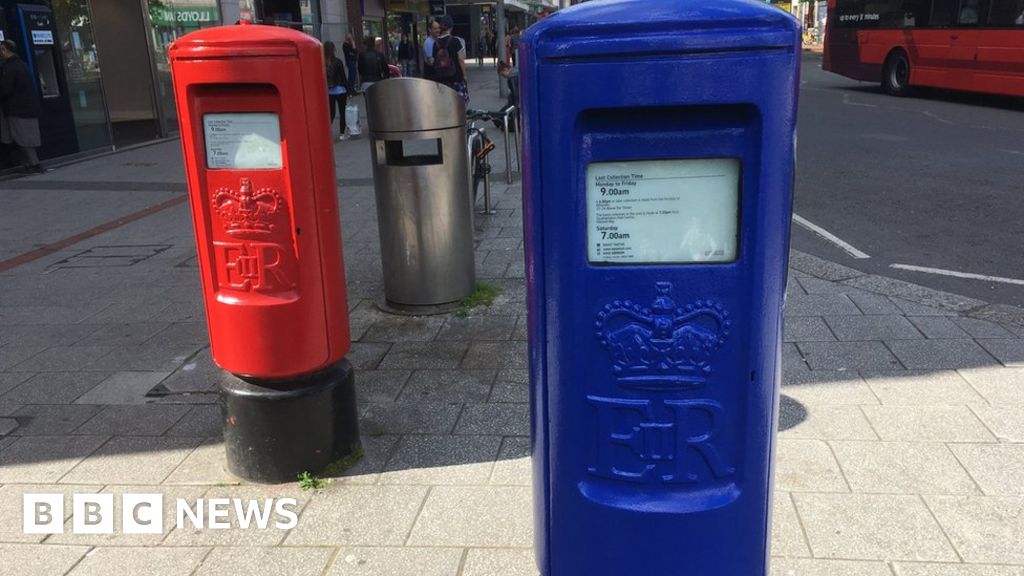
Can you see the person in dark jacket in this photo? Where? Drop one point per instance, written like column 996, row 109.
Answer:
column 19, row 123
column 348, row 48
column 338, row 89
column 373, row 66
column 407, row 55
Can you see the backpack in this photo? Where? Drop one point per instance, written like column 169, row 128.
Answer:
column 445, row 65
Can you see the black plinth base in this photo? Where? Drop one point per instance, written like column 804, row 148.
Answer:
column 274, row 431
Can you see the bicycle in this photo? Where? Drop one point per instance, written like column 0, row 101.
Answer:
column 479, row 146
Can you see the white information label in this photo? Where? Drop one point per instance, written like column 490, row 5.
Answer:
column 651, row 211
column 42, row 37
column 247, row 140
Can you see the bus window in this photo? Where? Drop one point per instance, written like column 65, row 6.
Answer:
column 884, row 14
column 943, row 12
column 1006, row 13
column 968, row 13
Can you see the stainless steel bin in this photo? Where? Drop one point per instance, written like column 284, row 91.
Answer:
column 417, row 132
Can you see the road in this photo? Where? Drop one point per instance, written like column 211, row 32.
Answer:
column 935, row 180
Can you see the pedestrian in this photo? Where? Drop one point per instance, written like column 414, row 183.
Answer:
column 513, row 44
column 19, row 123
column 433, row 29
column 481, row 48
column 373, row 66
column 448, row 59
column 348, row 49
column 406, row 55
column 338, row 90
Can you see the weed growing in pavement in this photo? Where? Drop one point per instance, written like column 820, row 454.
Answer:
column 484, row 295
column 338, row 467
column 309, row 481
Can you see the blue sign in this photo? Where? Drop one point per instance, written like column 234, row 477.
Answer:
column 657, row 200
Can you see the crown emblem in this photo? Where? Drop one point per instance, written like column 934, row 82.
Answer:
column 247, row 211
column 664, row 346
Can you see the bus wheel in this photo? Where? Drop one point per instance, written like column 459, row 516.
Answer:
column 896, row 76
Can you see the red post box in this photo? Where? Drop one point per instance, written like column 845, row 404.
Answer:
column 255, row 130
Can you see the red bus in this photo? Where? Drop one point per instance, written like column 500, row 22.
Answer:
column 972, row 45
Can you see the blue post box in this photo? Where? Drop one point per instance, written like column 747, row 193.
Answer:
column 657, row 202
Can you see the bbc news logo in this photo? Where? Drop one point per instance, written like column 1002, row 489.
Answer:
column 144, row 513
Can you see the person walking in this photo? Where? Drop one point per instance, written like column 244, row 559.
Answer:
column 19, row 123
column 448, row 59
column 406, row 55
column 338, row 89
column 351, row 55
column 433, row 29
column 373, row 66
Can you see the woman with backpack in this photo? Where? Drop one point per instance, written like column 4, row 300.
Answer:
column 338, row 88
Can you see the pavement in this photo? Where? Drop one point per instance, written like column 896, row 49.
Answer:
column 901, row 449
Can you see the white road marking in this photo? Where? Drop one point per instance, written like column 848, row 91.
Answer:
column 846, row 100
column 935, row 117
column 1017, row 152
column 829, row 237
column 955, row 274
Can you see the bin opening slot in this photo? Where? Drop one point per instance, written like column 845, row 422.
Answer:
column 420, row 152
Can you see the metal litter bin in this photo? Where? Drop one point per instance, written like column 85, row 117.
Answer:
column 421, row 179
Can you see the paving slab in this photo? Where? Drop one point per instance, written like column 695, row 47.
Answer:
column 902, row 468
column 64, row 359
column 123, row 388
column 132, row 460
column 138, row 420
column 21, row 559
column 1005, row 422
column 807, row 466
column 150, row 561
column 499, row 562
column 442, row 460
column 872, row 527
column 825, row 422
column 848, row 356
column 403, row 329
column 44, row 459
column 54, row 387
column 807, row 329
column 266, row 561
column 10, row 381
column 861, row 328
column 940, row 354
column 397, row 561
column 997, row 468
column 921, row 387
column 500, row 355
column 787, row 539
column 52, row 420
column 1000, row 386
column 380, row 385
column 448, row 386
column 938, row 327
column 927, row 424
column 377, row 450
column 979, row 328
column 917, row 569
column 513, row 467
column 205, row 465
column 359, row 516
column 204, row 421
column 478, row 328
column 1009, row 352
column 820, row 305
column 827, row 388
column 410, row 418
column 425, row 355
column 984, row 529
column 809, row 567
column 495, row 419
column 496, row 516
